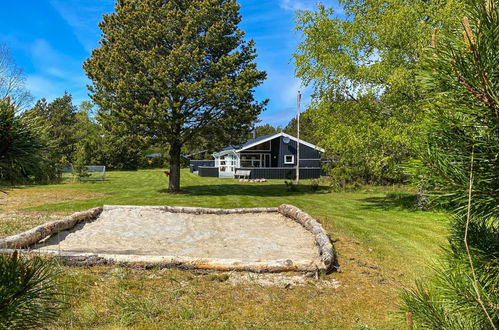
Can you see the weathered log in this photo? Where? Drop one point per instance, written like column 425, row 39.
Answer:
column 148, row 261
column 326, row 249
column 195, row 210
column 38, row 233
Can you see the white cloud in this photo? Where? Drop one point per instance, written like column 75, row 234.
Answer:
column 281, row 117
column 56, row 73
column 294, row 5
column 282, row 88
column 289, row 93
column 45, row 56
column 83, row 16
column 42, row 86
column 39, row 85
column 278, row 117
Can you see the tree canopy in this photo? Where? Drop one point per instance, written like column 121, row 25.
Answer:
column 12, row 81
column 173, row 70
column 362, row 69
column 59, row 119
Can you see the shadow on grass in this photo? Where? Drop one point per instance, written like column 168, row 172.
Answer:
column 260, row 190
column 392, row 201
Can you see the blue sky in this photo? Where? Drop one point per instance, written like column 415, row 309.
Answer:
column 50, row 39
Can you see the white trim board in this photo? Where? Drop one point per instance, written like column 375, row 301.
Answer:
column 283, row 135
column 221, row 153
column 292, row 159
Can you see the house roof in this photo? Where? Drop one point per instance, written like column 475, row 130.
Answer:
column 243, row 146
column 194, row 154
column 262, row 139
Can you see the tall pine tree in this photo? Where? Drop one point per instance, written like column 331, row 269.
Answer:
column 173, row 70
column 59, row 119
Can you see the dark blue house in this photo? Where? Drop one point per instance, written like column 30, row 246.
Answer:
column 271, row 157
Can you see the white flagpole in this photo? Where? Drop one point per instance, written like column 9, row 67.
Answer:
column 298, row 100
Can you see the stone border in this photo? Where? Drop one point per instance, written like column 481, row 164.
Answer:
column 326, row 249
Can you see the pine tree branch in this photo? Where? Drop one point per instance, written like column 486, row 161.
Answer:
column 479, row 96
column 443, row 174
column 468, row 217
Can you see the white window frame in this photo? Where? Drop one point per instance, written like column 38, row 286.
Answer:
column 292, row 159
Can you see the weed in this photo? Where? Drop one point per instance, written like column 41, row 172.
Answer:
column 314, row 185
column 290, row 186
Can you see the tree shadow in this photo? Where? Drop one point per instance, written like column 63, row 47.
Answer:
column 397, row 201
column 250, row 189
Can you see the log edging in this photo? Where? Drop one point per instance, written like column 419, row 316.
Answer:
column 194, row 210
column 38, row 233
column 326, row 249
column 163, row 261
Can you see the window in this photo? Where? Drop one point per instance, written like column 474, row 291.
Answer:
column 265, row 146
column 289, row 159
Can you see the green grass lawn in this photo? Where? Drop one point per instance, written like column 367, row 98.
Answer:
column 383, row 244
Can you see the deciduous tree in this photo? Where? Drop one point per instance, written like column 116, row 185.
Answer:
column 362, row 68
column 12, row 81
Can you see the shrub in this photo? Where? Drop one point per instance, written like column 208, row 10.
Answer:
column 314, row 185
column 290, row 186
column 23, row 148
column 29, row 292
column 458, row 157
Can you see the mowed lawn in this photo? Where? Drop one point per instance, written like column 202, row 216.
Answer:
column 382, row 243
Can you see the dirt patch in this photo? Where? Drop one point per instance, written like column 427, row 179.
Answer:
column 150, row 232
column 280, row 280
column 17, row 199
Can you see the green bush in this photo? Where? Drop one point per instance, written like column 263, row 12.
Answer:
column 29, row 292
column 23, row 149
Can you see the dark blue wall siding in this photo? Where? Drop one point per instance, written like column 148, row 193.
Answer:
column 282, row 173
column 279, row 149
column 290, row 148
column 286, row 149
column 207, row 171
column 310, row 162
column 194, row 164
column 274, row 153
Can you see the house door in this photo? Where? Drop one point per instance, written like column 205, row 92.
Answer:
column 228, row 164
column 266, row 160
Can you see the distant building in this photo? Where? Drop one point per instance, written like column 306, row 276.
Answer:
column 271, row 156
column 156, row 155
column 199, row 154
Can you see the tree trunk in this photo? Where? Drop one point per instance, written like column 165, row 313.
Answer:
column 174, row 184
